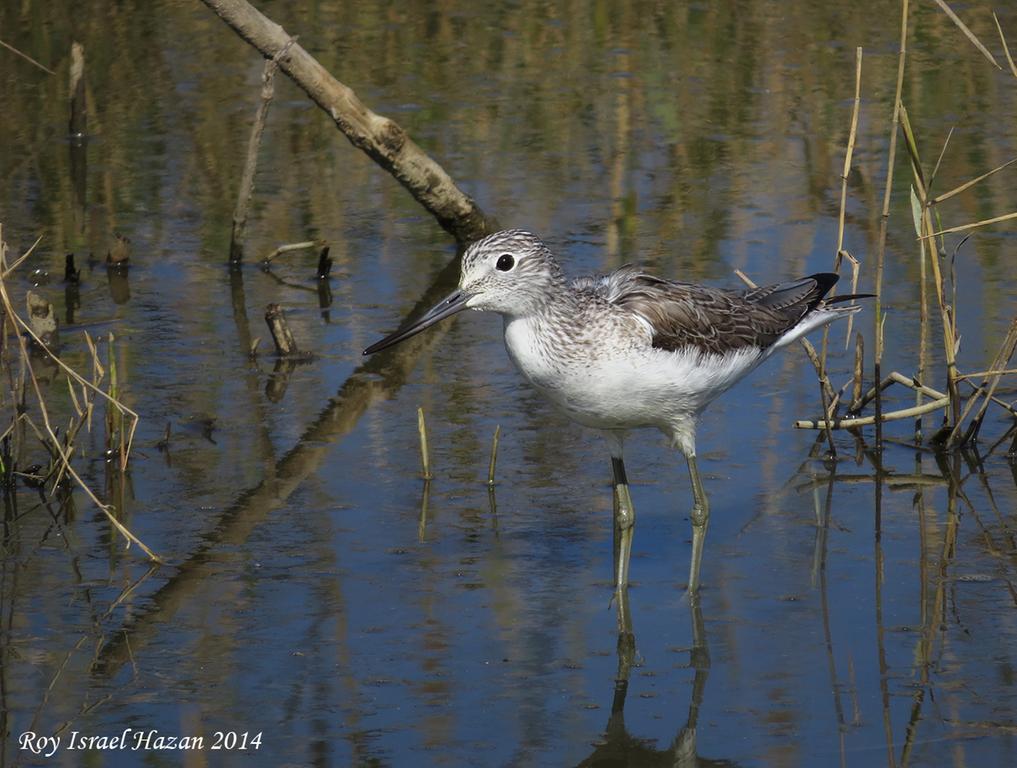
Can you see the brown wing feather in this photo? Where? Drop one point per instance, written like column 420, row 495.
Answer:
column 713, row 320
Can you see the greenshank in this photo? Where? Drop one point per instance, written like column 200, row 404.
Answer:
column 630, row 350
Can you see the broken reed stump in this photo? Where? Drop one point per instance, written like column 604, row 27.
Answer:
column 285, row 344
column 42, row 318
column 324, row 286
column 71, row 273
column 117, row 261
column 324, row 264
column 120, row 254
column 72, row 279
column 251, row 163
column 382, row 139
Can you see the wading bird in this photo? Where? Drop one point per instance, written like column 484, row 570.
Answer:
column 629, row 350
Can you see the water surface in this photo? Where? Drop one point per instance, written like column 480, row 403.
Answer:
column 856, row 612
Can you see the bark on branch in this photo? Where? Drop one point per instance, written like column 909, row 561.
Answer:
column 381, row 138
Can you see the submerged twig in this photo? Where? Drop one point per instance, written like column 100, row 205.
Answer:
column 289, row 247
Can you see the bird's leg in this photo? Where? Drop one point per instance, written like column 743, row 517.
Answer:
column 626, row 658
column 624, row 522
column 700, row 519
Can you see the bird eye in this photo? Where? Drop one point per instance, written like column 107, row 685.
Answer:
column 505, row 262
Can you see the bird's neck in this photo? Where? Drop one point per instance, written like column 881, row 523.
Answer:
column 548, row 320
column 552, row 301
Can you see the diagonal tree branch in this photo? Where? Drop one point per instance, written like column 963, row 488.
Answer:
column 382, row 139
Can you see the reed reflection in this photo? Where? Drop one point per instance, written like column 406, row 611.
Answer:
column 938, row 571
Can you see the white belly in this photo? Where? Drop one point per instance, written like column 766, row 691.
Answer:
column 619, row 386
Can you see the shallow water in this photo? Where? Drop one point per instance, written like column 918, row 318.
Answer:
column 856, row 612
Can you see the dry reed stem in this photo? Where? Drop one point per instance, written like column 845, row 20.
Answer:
column 968, row 33
column 968, row 184
column 973, row 225
column 991, row 381
column 20, row 259
column 29, row 59
column 915, row 384
column 65, row 458
column 939, row 160
column 862, row 421
column 985, row 374
column 848, row 155
column 77, row 377
column 855, row 271
column 52, row 444
column 898, row 378
column 1006, row 48
column 859, row 373
column 947, row 315
column 1009, row 408
column 425, row 457
column 885, row 216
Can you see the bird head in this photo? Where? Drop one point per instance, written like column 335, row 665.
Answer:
column 511, row 272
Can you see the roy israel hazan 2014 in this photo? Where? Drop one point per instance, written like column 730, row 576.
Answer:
column 128, row 739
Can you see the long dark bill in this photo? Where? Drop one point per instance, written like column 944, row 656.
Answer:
column 454, row 302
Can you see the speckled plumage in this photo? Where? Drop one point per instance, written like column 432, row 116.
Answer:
column 629, row 350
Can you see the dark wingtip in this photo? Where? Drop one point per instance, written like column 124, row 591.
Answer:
column 825, row 281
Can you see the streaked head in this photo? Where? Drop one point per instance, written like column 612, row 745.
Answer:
column 511, row 272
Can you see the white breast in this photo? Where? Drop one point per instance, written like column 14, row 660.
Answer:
column 613, row 383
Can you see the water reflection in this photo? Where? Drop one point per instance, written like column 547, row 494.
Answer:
column 856, row 612
column 618, row 746
column 936, row 580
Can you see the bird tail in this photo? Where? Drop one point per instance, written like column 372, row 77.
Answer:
column 822, row 315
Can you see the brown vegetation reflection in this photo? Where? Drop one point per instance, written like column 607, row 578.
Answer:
column 672, row 135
